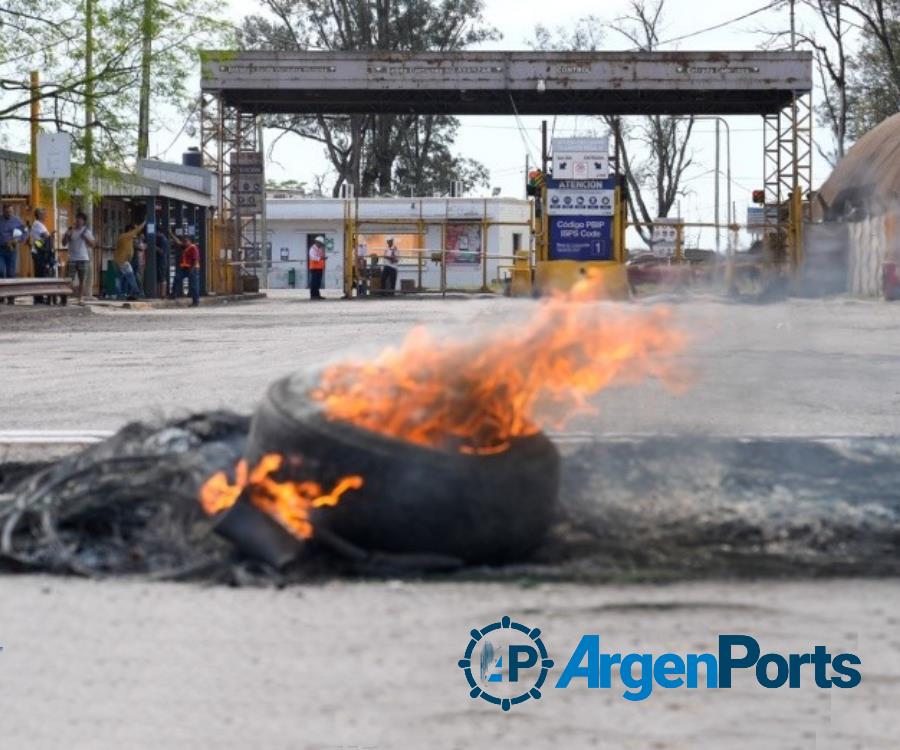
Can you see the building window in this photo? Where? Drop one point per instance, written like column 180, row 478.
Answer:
column 517, row 242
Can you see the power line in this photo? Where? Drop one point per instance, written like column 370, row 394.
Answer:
column 722, row 24
column 523, row 132
column 184, row 125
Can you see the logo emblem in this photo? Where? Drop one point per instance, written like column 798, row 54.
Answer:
column 505, row 663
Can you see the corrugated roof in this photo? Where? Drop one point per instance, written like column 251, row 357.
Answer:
column 870, row 171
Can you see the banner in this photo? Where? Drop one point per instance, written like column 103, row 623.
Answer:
column 580, row 197
column 463, row 244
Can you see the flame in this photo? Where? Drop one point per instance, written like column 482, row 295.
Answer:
column 475, row 396
column 287, row 502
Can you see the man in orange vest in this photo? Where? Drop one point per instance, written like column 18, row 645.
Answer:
column 316, row 267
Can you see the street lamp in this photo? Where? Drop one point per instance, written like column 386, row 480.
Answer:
column 729, row 212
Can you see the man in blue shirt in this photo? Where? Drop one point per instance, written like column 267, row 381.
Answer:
column 12, row 231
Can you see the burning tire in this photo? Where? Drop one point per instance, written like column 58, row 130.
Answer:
column 491, row 508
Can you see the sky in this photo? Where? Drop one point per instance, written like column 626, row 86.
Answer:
column 502, row 144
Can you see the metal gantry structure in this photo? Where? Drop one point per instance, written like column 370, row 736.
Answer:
column 238, row 88
column 228, row 132
column 787, row 170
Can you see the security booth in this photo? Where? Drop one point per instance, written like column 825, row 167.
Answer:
column 183, row 204
column 442, row 244
column 172, row 199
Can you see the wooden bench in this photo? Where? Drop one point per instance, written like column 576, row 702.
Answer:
column 12, row 288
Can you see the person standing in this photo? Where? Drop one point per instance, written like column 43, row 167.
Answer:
column 80, row 241
column 389, row 272
column 362, row 281
column 316, row 267
column 42, row 256
column 162, row 263
column 188, row 268
column 11, row 231
column 123, row 256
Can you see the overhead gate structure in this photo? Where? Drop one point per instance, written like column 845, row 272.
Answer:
column 239, row 87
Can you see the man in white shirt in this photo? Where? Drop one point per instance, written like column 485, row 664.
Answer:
column 389, row 270
column 80, row 241
column 42, row 257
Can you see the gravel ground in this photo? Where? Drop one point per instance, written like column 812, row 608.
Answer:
column 123, row 664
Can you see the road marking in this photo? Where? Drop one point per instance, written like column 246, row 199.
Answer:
column 28, row 437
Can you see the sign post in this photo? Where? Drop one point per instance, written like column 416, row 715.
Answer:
column 54, row 161
column 582, row 218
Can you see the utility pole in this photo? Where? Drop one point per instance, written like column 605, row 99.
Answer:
column 89, row 109
column 25, row 264
column 35, row 197
column 795, row 210
column 718, row 171
column 88, row 127
column 265, row 250
column 143, row 143
column 793, row 25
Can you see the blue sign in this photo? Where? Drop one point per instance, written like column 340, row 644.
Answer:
column 581, row 238
column 581, row 218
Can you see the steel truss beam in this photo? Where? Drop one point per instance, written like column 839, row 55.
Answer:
column 227, row 131
column 787, row 169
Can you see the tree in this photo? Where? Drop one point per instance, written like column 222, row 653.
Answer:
column 874, row 71
column 370, row 152
column 655, row 179
column 425, row 161
column 832, row 63
column 288, row 186
column 857, row 48
column 141, row 54
column 830, row 44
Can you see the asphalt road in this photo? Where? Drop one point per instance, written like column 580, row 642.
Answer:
column 794, row 368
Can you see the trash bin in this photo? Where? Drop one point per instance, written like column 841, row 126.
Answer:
column 292, row 278
column 891, row 281
column 111, row 280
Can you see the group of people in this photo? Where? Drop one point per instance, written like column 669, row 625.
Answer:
column 80, row 241
column 131, row 245
column 367, row 266
column 317, row 257
column 40, row 240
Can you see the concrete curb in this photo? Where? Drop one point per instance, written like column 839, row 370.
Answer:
column 168, row 304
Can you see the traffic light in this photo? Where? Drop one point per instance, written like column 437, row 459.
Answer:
column 535, row 183
column 759, row 196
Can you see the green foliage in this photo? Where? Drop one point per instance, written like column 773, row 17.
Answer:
column 873, row 90
column 293, row 186
column 51, row 38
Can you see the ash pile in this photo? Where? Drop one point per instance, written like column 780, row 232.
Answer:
column 628, row 509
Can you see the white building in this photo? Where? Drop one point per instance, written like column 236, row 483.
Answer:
column 420, row 226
